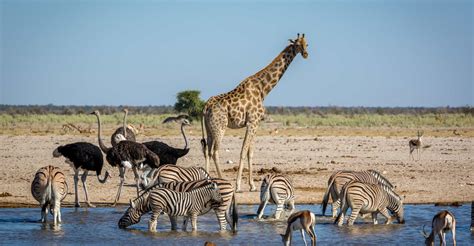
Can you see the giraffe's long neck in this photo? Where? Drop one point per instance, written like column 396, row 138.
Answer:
column 274, row 71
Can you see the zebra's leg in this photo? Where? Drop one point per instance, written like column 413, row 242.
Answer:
column 173, row 220
column 291, row 205
column 261, row 208
column 374, row 218
column 221, row 217
column 279, row 210
column 194, row 221
column 44, row 212
column 302, row 235
column 76, row 195
column 354, row 213
column 335, row 205
column 83, row 179
column 387, row 215
column 122, row 180
column 185, row 223
column 153, row 220
column 343, row 212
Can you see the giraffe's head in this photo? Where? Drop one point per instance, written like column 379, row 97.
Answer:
column 300, row 45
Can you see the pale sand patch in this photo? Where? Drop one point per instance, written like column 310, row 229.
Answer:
column 445, row 172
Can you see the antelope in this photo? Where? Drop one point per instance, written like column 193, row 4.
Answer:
column 415, row 144
column 304, row 221
column 442, row 222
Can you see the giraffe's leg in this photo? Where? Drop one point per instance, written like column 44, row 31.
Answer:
column 251, row 129
column 122, row 180
column 215, row 150
column 76, row 195
column 207, row 148
column 83, row 179
column 250, row 158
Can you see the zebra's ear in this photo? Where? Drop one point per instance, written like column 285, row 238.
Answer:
column 132, row 204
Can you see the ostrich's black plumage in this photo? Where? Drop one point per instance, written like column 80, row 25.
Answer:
column 167, row 154
column 83, row 155
column 133, row 152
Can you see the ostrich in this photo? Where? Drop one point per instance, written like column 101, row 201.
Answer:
column 126, row 154
column 124, row 131
column 85, row 156
column 176, row 119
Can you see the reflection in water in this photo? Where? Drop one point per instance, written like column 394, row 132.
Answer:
column 98, row 225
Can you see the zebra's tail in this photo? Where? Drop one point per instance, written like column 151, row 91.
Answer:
column 264, row 193
column 235, row 215
column 342, row 196
column 326, row 196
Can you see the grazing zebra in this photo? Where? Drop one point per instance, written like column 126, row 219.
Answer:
column 157, row 200
column 173, row 173
column 369, row 198
column 304, row 221
column 222, row 209
column 442, row 222
column 49, row 188
column 276, row 189
column 339, row 178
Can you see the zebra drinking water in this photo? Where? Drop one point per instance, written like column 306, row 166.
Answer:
column 49, row 188
column 226, row 211
column 339, row 178
column 276, row 189
column 157, row 200
column 369, row 198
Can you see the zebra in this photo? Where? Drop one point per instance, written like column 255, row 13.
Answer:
column 339, row 178
column 442, row 222
column 222, row 210
column 369, row 198
column 276, row 189
column 172, row 173
column 49, row 188
column 157, row 200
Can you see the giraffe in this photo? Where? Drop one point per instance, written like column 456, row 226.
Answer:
column 243, row 108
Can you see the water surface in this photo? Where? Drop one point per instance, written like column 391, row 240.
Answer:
column 20, row 226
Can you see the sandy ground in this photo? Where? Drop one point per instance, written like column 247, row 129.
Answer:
column 445, row 172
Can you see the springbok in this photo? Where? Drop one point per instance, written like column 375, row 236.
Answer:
column 442, row 222
column 304, row 221
column 415, row 144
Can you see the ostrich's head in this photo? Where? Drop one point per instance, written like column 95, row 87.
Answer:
column 185, row 122
column 125, row 110
column 300, row 45
column 56, row 152
column 119, row 137
column 95, row 112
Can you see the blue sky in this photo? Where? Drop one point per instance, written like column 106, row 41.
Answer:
column 361, row 53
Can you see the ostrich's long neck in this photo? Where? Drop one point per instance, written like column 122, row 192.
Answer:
column 184, row 136
column 125, row 124
column 101, row 144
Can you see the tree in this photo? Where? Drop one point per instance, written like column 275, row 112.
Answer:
column 190, row 103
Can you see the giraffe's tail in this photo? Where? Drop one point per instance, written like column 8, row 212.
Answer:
column 203, row 140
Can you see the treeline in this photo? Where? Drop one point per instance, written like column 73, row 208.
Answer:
column 324, row 110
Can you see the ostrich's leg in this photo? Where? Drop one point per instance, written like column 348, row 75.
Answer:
column 122, row 180
column 84, row 178
column 137, row 178
column 251, row 129
column 76, row 195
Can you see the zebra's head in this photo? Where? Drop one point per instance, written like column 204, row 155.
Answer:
column 133, row 214
column 399, row 212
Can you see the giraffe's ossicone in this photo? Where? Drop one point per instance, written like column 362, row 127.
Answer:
column 243, row 107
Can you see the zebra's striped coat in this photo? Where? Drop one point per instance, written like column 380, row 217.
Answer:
column 222, row 209
column 369, row 198
column 276, row 189
column 157, row 200
column 340, row 178
column 172, row 173
column 49, row 188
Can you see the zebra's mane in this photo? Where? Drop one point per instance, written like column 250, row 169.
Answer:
column 381, row 177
